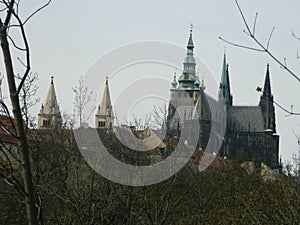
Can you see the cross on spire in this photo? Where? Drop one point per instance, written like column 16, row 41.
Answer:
column 52, row 77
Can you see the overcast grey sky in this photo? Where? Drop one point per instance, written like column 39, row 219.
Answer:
column 69, row 36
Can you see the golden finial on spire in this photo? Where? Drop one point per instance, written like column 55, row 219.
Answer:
column 191, row 28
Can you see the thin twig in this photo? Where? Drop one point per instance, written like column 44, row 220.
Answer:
column 243, row 17
column 270, row 37
column 241, row 46
column 287, row 111
column 36, row 11
column 19, row 59
column 295, row 36
column 14, row 44
column 254, row 24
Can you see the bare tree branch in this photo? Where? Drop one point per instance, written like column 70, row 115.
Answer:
column 287, row 111
column 15, row 45
column 9, row 12
column 36, row 11
column 262, row 48
column 241, row 46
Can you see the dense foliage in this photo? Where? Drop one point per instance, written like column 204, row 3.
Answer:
column 72, row 193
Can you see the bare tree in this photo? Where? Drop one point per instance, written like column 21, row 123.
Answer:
column 82, row 98
column 11, row 19
column 160, row 114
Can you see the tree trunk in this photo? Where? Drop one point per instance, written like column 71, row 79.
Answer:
column 20, row 131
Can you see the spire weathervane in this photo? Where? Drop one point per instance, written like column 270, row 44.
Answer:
column 191, row 28
column 52, row 77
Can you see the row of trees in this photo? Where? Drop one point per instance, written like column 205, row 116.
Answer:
column 70, row 192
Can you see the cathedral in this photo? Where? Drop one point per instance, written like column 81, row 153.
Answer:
column 250, row 133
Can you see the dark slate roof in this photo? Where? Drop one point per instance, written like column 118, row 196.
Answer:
column 242, row 116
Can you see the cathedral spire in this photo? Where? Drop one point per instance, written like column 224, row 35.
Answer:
column 267, row 103
column 267, row 86
column 190, row 44
column 188, row 77
column 224, row 89
column 49, row 116
column 104, row 116
column 189, row 64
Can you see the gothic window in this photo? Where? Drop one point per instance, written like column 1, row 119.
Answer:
column 101, row 124
column 46, row 123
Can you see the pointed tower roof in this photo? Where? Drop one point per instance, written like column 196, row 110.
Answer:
column 190, row 44
column 50, row 105
column 105, row 108
column 188, row 78
column 267, row 86
column 224, row 80
column 224, row 89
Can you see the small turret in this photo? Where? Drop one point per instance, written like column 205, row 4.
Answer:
column 174, row 82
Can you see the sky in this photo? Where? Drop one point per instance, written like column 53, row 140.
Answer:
column 68, row 37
